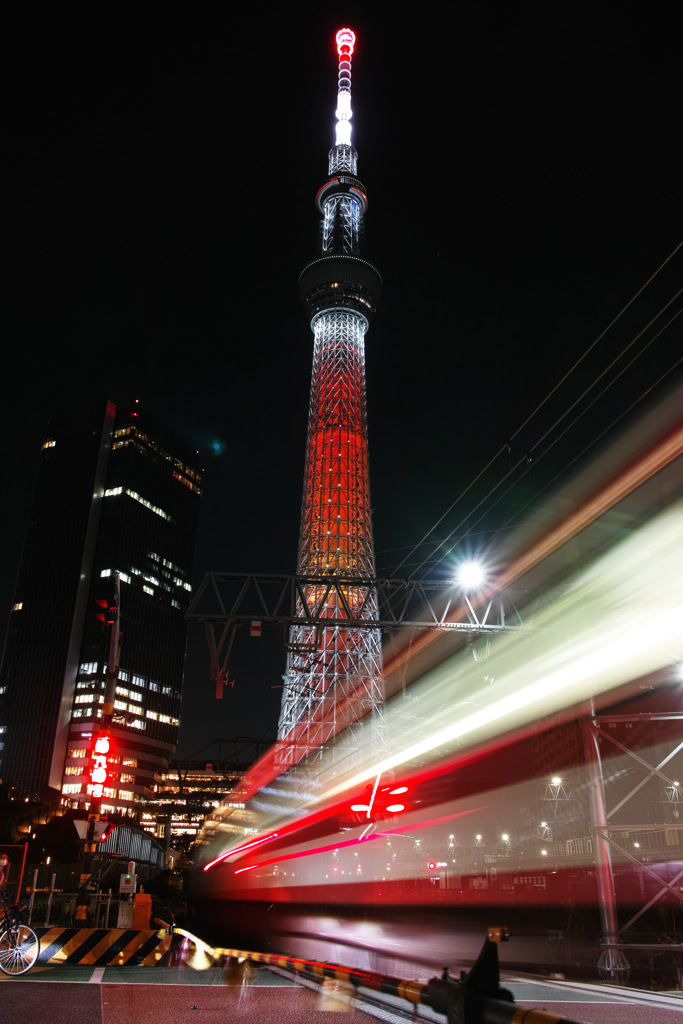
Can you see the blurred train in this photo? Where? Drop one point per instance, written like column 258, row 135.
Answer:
column 470, row 800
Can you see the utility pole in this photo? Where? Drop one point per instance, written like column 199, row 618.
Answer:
column 101, row 749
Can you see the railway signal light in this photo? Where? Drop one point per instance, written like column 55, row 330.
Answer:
column 105, row 609
column 109, row 827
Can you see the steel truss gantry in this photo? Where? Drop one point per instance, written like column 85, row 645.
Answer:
column 224, row 601
column 331, row 627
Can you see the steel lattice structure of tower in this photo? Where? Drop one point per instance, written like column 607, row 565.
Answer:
column 333, row 675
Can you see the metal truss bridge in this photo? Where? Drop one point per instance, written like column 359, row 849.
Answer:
column 226, row 600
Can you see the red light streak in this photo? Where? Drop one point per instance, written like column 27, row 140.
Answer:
column 241, row 849
column 360, row 839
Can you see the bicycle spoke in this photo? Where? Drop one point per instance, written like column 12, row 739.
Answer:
column 19, row 949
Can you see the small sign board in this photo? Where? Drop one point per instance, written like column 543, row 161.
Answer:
column 82, row 829
column 128, row 884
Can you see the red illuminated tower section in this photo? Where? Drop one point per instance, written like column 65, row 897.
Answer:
column 333, row 671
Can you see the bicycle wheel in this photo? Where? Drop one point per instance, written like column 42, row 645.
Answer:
column 19, row 948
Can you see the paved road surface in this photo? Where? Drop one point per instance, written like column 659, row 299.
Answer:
column 160, row 995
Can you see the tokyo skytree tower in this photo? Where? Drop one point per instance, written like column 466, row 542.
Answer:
column 333, row 670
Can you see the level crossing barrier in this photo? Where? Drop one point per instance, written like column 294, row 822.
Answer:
column 106, row 947
column 476, row 997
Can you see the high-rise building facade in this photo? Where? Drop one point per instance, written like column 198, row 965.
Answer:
column 116, row 494
column 333, row 671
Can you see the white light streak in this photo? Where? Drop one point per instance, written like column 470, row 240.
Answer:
column 621, row 618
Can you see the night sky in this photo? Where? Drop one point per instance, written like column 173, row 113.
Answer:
column 523, row 170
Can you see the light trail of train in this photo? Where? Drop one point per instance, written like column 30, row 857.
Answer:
column 413, row 826
column 623, row 482
column 619, row 619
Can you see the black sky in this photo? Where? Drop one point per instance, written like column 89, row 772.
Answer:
column 523, row 172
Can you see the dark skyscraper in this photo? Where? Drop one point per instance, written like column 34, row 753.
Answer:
column 116, row 493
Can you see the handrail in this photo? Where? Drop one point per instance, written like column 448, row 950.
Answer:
column 474, row 997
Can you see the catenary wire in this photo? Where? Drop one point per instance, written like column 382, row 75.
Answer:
column 560, row 472
column 530, row 417
column 525, row 457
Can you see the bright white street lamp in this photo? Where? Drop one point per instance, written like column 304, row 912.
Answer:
column 470, row 575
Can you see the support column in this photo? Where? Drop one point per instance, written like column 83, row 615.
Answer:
column 612, row 962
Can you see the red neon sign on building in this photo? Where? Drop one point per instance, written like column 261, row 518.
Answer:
column 98, row 770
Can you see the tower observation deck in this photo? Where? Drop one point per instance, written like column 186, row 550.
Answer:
column 333, row 672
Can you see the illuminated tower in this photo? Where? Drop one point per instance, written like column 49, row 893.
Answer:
column 333, row 671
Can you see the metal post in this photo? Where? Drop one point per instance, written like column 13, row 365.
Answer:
column 21, row 871
column 49, row 900
column 611, row 962
column 33, row 894
column 111, row 677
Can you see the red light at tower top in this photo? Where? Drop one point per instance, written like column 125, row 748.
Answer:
column 346, row 40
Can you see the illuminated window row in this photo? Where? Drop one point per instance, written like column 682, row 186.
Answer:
column 125, row 578
column 89, row 712
column 114, row 492
column 165, row 719
column 188, row 483
column 145, row 577
column 141, row 683
column 136, row 432
column 168, row 564
column 122, row 692
column 121, row 705
column 148, row 579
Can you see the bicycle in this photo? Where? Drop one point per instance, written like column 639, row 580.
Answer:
column 19, row 944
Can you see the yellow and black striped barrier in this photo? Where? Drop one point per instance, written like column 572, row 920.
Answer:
column 476, row 997
column 104, row 947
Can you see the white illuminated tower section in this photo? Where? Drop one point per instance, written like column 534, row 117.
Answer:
column 333, row 671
